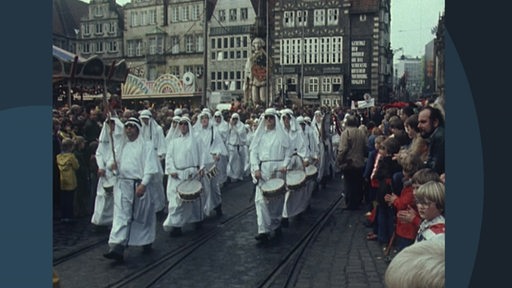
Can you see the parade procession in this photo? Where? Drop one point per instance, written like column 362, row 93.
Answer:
column 271, row 151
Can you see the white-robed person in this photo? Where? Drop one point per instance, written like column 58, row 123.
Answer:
column 134, row 212
column 222, row 127
column 237, row 136
column 212, row 148
column 316, row 125
column 312, row 150
column 173, row 130
column 113, row 129
column 183, row 162
column 269, row 155
column 154, row 133
column 295, row 201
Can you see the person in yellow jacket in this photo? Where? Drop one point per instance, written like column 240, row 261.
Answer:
column 68, row 164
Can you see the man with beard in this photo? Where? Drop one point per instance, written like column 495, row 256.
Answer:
column 431, row 126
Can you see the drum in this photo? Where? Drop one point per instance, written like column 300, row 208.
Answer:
column 295, row 179
column 273, row 188
column 189, row 190
column 311, row 172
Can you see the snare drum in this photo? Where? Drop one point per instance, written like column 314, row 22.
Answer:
column 295, row 179
column 273, row 187
column 311, row 172
column 189, row 190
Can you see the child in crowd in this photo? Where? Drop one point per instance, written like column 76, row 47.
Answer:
column 430, row 199
column 405, row 233
column 68, row 164
column 386, row 167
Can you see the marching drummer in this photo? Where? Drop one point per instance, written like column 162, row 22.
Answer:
column 295, row 201
column 183, row 162
column 269, row 156
column 134, row 214
column 212, row 148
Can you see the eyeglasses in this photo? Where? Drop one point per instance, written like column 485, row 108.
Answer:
column 267, row 117
column 423, row 202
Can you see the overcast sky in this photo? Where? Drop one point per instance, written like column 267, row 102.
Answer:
column 411, row 24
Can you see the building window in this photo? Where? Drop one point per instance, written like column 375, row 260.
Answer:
column 189, row 43
column 313, row 85
column 99, row 47
column 174, row 14
column 112, row 27
column 112, row 46
column 86, row 30
column 362, row 17
column 155, row 45
column 199, row 43
column 244, row 14
column 332, row 16
column 289, row 19
column 222, row 15
column 152, row 17
column 326, row 85
column 319, row 17
column 195, row 12
column 184, row 13
column 336, row 84
column 175, row 44
column 144, row 18
column 232, row 14
column 99, row 29
column 174, row 70
column 86, row 48
column 98, row 11
column 139, row 48
column 133, row 19
column 302, row 18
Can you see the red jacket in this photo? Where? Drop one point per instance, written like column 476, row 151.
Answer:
column 406, row 198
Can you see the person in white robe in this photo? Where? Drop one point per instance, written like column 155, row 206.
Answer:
column 222, row 127
column 270, row 153
column 212, row 148
column 237, row 136
column 111, row 136
column 296, row 199
column 154, row 133
column 134, row 221
column 183, row 164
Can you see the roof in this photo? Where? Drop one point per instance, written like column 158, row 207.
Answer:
column 66, row 16
column 70, row 65
column 359, row 6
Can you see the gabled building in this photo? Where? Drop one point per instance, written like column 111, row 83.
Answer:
column 229, row 45
column 101, row 31
column 66, row 23
column 331, row 52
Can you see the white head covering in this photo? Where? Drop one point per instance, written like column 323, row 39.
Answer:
column 300, row 119
column 262, row 128
column 145, row 114
column 134, row 121
column 178, row 112
column 307, row 119
column 217, row 113
column 288, row 112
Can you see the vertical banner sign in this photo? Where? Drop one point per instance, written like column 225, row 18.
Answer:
column 360, row 64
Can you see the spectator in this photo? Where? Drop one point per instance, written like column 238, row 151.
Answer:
column 431, row 126
column 68, row 164
column 419, row 265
